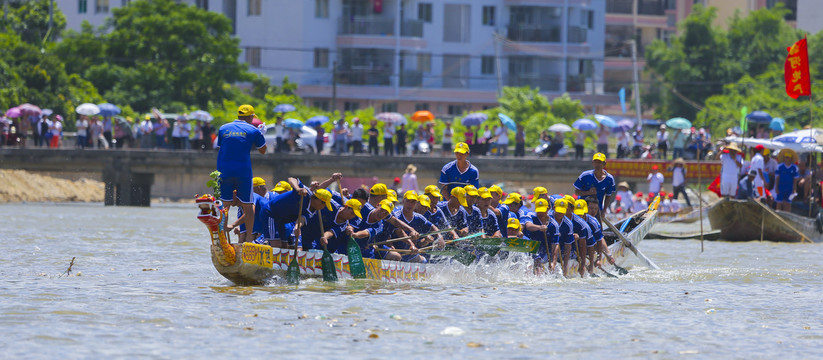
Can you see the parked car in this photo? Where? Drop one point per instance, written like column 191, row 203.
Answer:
column 305, row 142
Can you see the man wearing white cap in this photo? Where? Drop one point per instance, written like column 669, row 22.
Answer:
column 730, row 166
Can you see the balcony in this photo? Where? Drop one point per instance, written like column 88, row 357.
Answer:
column 651, row 7
column 576, row 83
column 379, row 26
column 578, row 34
column 535, row 80
column 367, row 77
column 411, row 78
column 619, row 6
column 534, row 33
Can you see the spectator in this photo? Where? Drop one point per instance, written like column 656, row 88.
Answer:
column 558, row 142
column 638, row 141
column 624, row 196
column 318, row 140
column 207, row 130
column 144, row 132
column 401, row 139
column 662, row 142
column 97, row 139
column 603, row 140
column 373, row 134
column 485, row 140
column 197, row 138
column 119, row 135
column 341, row 133
column 42, row 132
column 388, row 136
column 409, row 180
column 678, row 143
column 470, row 140
column 679, row 180
column 430, row 136
column 502, row 136
column 356, row 133
column 56, row 130
column 655, row 180
column 82, row 126
column 579, row 141
column 745, row 188
column 161, row 127
column 279, row 131
column 5, row 124
column 420, row 138
column 446, row 140
column 622, row 144
column 107, row 130
column 520, row 142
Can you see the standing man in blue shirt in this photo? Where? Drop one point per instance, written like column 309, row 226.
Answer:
column 459, row 172
column 235, row 141
column 596, row 182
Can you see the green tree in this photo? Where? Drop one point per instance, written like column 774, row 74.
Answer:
column 30, row 20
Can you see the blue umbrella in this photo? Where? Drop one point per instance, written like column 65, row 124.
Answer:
column 293, row 123
column 474, row 119
column 679, row 123
column 317, row 120
column 605, row 120
column 284, row 108
column 107, row 109
column 777, row 124
column 584, row 124
column 759, row 117
column 507, row 121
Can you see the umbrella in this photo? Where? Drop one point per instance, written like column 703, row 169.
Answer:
column 87, row 109
column 507, row 121
column 777, row 124
column 474, row 119
column 605, row 120
column 13, row 112
column 422, row 116
column 560, row 128
column 759, row 117
column 284, row 108
column 585, row 124
column 201, row 115
column 679, row 123
column 108, row 109
column 626, row 123
column 391, row 117
column 29, row 109
column 317, row 120
column 48, row 112
column 293, row 123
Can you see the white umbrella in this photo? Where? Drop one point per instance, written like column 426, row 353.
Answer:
column 87, row 109
column 560, row 128
column 201, row 115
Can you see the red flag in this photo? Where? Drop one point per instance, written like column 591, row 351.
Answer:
column 796, row 71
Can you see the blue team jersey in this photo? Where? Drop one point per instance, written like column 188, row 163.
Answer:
column 565, row 229
column 489, row 222
column 474, row 220
column 596, row 230
column 438, row 218
column 418, row 222
column 605, row 187
column 580, row 227
column 310, row 232
column 552, row 234
column 458, row 220
column 236, row 140
column 283, row 210
column 452, row 176
column 787, row 175
column 502, row 220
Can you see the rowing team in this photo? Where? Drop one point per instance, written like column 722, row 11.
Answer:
column 386, row 227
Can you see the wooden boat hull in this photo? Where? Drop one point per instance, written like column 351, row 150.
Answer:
column 743, row 220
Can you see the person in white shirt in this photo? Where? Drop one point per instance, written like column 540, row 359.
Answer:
column 446, row 140
column 603, row 140
column 409, row 180
column 759, row 164
column 388, row 136
column 655, row 180
column 623, row 145
column 145, row 130
column 82, row 126
column 625, row 194
column 678, row 170
column 502, row 135
column 579, row 141
column 730, row 167
column 662, row 142
column 639, row 203
column 356, row 132
column 674, row 205
column 56, row 129
column 664, row 208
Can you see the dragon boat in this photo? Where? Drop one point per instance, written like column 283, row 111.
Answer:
column 256, row 264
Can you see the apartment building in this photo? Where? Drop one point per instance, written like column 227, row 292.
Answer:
column 447, row 56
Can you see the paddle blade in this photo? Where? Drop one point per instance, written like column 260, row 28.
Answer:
column 357, row 268
column 327, row 264
column 465, row 257
column 293, row 272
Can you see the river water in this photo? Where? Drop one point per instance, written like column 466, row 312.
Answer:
column 142, row 286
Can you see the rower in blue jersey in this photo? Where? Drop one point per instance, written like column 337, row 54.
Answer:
column 434, row 215
column 596, row 182
column 337, row 235
column 459, row 172
column 514, row 230
column 586, row 237
column 566, row 235
column 417, row 222
column 487, row 216
column 541, row 227
column 377, row 194
column 515, row 205
column 501, row 211
column 455, row 211
column 600, row 246
column 235, row 140
column 473, row 218
column 261, row 231
column 382, row 213
column 321, row 208
column 283, row 210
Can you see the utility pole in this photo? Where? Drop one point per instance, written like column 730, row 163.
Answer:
column 636, row 86
column 334, row 86
column 495, row 36
column 51, row 17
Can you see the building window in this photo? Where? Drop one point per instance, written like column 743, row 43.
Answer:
column 321, row 58
column 421, row 106
column 321, row 9
column 253, row 56
column 487, row 65
column 322, row 104
column 424, row 12
column 101, row 6
column 255, row 7
column 388, row 107
column 82, row 6
column 351, row 106
column 587, row 18
column 424, row 62
column 455, row 71
column 124, row 2
column 203, row 4
column 455, row 110
column 488, row 15
column 458, row 27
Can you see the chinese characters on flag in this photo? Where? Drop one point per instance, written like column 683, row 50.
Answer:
column 796, row 71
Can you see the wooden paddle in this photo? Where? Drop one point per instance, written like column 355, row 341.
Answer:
column 409, row 237
column 293, row 272
column 629, row 245
column 472, row 236
column 327, row 262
